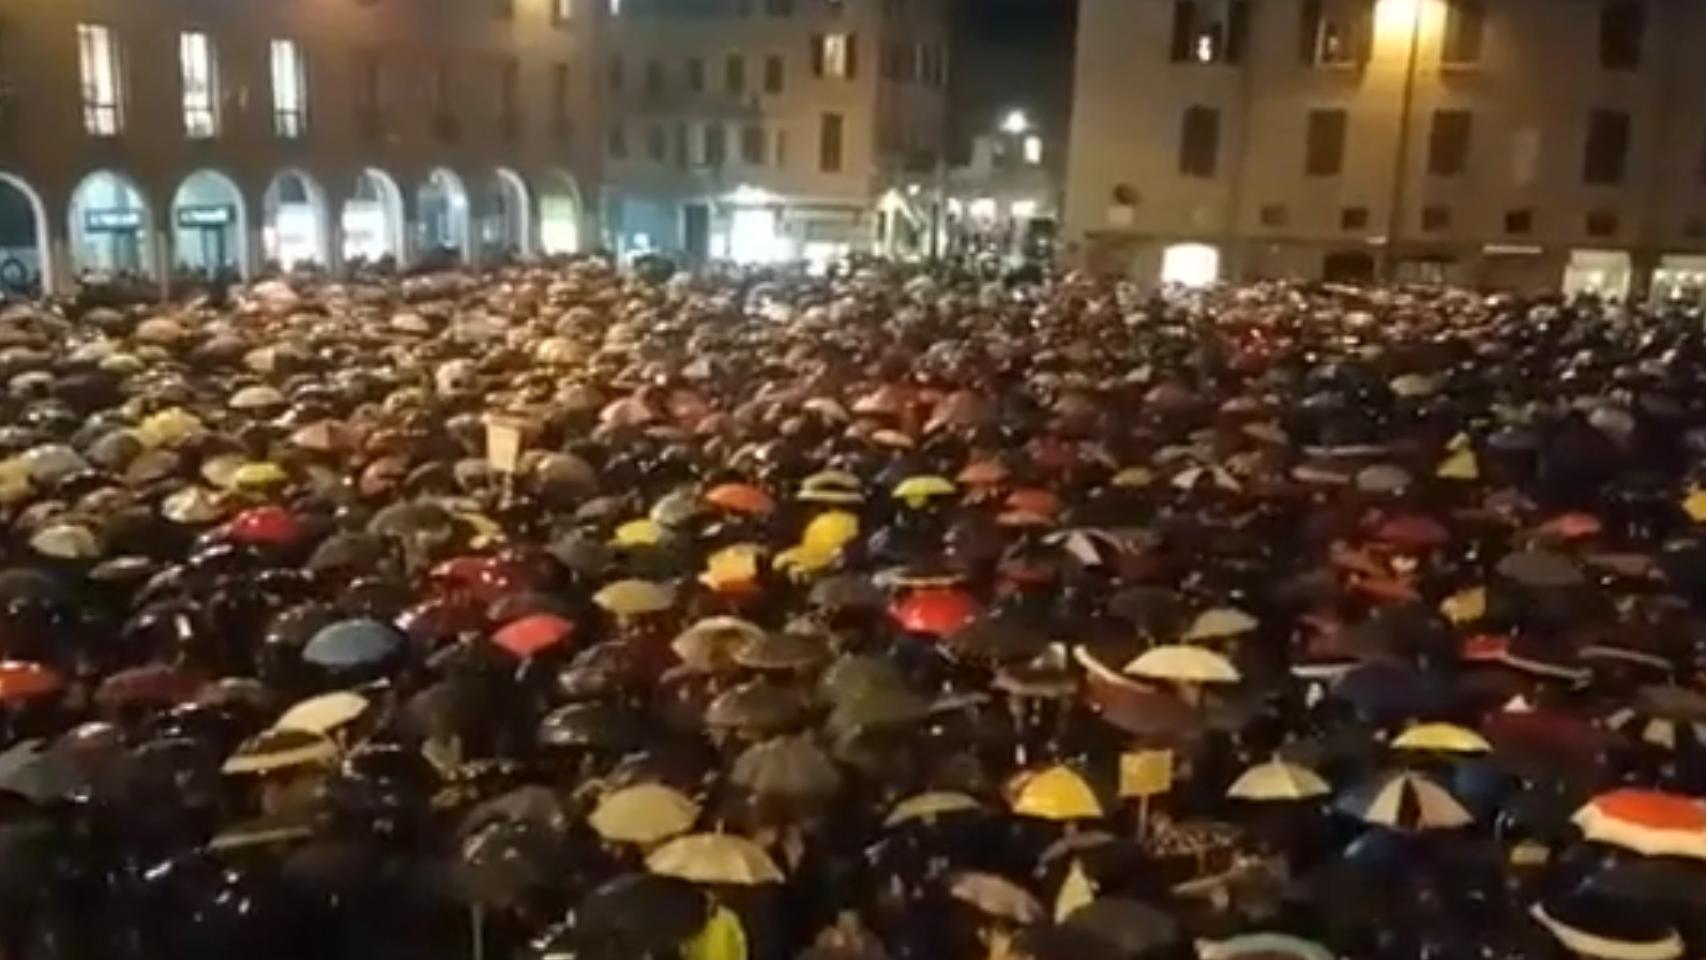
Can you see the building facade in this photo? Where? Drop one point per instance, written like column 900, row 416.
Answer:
column 773, row 130
column 166, row 136
column 1004, row 202
column 1516, row 144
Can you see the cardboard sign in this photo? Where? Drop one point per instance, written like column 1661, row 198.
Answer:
column 1145, row 773
column 504, row 442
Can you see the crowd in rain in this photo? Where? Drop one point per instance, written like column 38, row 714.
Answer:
column 570, row 612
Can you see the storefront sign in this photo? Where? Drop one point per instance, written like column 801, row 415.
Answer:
column 111, row 221
column 206, row 215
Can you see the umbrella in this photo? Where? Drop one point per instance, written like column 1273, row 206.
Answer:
column 1090, row 547
column 934, row 611
column 1649, row 822
column 22, row 680
column 533, row 804
column 1442, row 738
column 628, row 598
column 534, row 634
column 1263, row 946
column 264, row 833
column 603, row 725
column 1664, row 716
column 157, row 684
column 1592, row 926
column 1056, row 793
column 879, row 705
column 714, row 858
column 709, row 645
column 639, row 915
column 1131, row 928
column 832, row 487
column 324, row 713
column 741, row 498
column 847, row 591
column 997, row 638
column 786, row 768
column 1405, row 801
column 1277, row 780
column 788, row 650
column 996, row 896
column 916, row 491
column 928, row 807
column 351, row 643
column 1220, row 623
column 645, row 813
column 756, row 706
column 1541, row 569
column 1183, row 664
column 275, row 750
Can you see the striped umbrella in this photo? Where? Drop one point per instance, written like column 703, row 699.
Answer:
column 1405, row 801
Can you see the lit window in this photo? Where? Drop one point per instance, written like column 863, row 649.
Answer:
column 835, row 55
column 195, row 60
column 98, row 64
column 289, row 90
column 562, row 11
column 1033, row 149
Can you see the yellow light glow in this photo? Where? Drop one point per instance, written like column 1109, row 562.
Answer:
column 1395, row 20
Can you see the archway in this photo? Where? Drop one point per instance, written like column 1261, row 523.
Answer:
column 1190, row 264
column 26, row 254
column 506, row 217
column 372, row 219
column 559, row 214
column 112, row 227
column 441, row 215
column 294, row 231
column 209, row 226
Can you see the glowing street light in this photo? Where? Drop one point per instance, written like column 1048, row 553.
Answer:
column 1015, row 123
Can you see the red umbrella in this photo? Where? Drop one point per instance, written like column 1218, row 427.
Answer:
column 937, row 611
column 741, row 498
column 1649, row 822
column 531, row 634
column 483, row 578
column 1412, row 531
column 22, row 680
column 154, row 684
column 264, row 527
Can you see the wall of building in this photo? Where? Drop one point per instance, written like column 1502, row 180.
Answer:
column 43, row 142
column 1530, row 94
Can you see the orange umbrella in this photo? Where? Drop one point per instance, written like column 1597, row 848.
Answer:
column 1572, row 526
column 1649, row 822
column 1413, row 531
column 1033, row 500
column 22, row 680
column 982, row 473
column 741, row 498
column 937, row 611
column 532, row 634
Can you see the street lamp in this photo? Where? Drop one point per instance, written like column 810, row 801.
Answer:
column 1015, row 123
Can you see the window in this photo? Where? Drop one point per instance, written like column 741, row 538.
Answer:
column 509, row 96
column 368, row 77
column 734, row 74
column 289, row 90
column 657, row 146
column 1353, row 218
column 1199, row 142
column 1465, row 21
column 1209, row 31
column 1520, row 222
column 1602, row 223
column 696, row 75
column 562, row 125
column 781, row 154
column 752, row 145
column 201, row 85
column 1436, row 219
column 562, row 11
column 1448, row 143
column 1274, row 215
column 829, row 132
column 613, row 75
column 618, row 141
column 773, row 76
column 1335, row 32
column 1324, row 153
column 1607, row 147
column 654, row 77
column 1621, row 25
column 1033, row 150
column 716, row 145
column 835, row 55
column 681, row 152
column 101, row 73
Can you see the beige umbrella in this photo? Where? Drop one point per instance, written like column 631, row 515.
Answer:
column 715, row 858
column 324, row 713
column 271, row 751
column 929, row 806
column 645, row 813
column 628, row 598
column 1277, row 780
column 1183, row 664
column 996, row 896
column 1220, row 623
column 709, row 645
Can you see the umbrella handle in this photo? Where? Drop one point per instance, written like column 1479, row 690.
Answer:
column 477, row 925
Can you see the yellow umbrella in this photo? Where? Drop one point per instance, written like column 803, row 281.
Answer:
column 259, row 475
column 273, row 750
column 1220, row 623
column 714, row 858
column 627, row 598
column 1183, row 664
column 929, row 806
column 829, row 531
column 732, row 566
column 1442, row 738
column 918, row 490
column 638, row 533
column 169, row 427
column 1695, row 505
column 1057, row 793
column 830, row 486
column 645, row 813
column 1133, row 478
column 1465, row 606
column 324, row 713
column 1459, row 465
column 1278, row 780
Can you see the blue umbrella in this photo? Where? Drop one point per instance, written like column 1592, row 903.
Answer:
column 351, row 643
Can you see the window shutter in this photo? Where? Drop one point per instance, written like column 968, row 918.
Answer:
column 1308, row 31
column 817, row 54
column 1184, row 29
column 1237, row 30
column 852, row 55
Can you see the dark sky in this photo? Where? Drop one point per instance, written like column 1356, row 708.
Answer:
column 1011, row 53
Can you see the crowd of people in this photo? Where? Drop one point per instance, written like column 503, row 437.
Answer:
column 558, row 612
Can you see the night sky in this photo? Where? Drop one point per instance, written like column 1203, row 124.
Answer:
column 1011, row 53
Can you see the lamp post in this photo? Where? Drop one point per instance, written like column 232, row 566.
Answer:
column 1399, row 11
